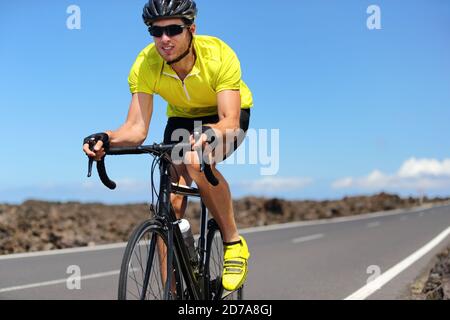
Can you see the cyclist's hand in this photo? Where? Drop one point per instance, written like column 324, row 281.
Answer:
column 208, row 136
column 200, row 143
column 94, row 145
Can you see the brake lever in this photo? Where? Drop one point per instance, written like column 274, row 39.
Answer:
column 197, row 136
column 91, row 160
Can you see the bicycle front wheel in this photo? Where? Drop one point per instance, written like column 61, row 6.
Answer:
column 143, row 272
column 214, row 265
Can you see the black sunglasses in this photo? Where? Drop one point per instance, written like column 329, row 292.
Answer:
column 170, row 31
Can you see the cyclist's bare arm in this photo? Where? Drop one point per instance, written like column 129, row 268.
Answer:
column 229, row 111
column 135, row 129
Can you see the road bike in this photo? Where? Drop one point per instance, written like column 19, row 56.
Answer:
column 157, row 264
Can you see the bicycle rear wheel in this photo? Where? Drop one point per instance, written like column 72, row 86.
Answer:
column 214, row 265
column 143, row 270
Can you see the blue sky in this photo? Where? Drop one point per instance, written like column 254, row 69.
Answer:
column 358, row 111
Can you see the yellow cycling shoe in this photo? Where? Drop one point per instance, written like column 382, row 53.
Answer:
column 235, row 265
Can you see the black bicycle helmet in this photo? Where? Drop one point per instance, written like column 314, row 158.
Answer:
column 160, row 9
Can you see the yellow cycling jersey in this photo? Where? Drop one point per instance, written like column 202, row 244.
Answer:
column 216, row 68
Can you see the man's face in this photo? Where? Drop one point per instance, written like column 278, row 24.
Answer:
column 172, row 47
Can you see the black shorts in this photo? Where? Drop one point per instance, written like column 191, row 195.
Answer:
column 174, row 123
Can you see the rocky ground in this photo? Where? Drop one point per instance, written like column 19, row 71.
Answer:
column 38, row 225
column 435, row 283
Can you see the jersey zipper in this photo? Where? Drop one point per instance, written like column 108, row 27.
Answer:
column 182, row 82
column 185, row 90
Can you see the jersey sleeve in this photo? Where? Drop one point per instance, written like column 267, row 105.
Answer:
column 229, row 75
column 141, row 78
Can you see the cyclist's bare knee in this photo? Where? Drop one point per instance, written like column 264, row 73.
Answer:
column 179, row 204
column 193, row 168
column 191, row 161
column 179, row 174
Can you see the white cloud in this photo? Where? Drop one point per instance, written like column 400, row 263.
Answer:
column 418, row 174
column 413, row 168
column 376, row 179
column 276, row 184
column 343, row 183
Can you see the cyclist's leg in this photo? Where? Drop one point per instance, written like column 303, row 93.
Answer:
column 219, row 202
column 178, row 129
column 180, row 175
column 237, row 137
column 218, row 198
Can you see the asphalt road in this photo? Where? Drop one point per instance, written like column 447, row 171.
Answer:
column 374, row 256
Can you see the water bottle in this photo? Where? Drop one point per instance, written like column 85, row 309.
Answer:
column 188, row 238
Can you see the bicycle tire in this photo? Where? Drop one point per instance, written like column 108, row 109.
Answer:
column 134, row 245
column 214, row 265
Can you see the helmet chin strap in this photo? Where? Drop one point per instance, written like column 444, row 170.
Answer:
column 184, row 54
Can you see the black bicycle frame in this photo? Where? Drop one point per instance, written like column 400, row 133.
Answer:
column 198, row 286
column 174, row 237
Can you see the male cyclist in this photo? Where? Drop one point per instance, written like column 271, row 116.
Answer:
column 200, row 78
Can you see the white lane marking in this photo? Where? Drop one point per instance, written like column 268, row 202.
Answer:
column 337, row 220
column 373, row 224
column 63, row 251
column 59, row 281
column 379, row 282
column 242, row 231
column 308, row 238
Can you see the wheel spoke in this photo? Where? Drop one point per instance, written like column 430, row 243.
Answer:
column 139, row 252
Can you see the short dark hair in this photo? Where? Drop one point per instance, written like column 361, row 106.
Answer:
column 187, row 22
